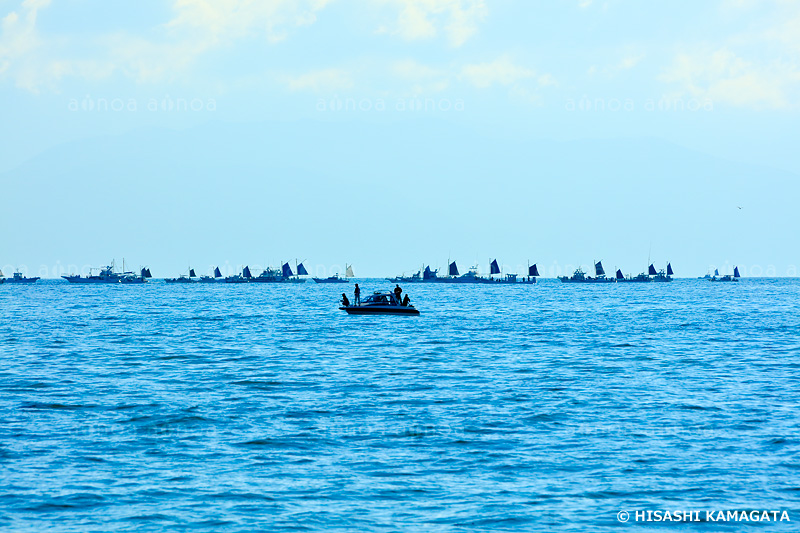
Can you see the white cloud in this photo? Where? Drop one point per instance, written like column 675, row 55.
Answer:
column 424, row 19
column 35, row 61
column 222, row 21
column 724, row 77
column 757, row 68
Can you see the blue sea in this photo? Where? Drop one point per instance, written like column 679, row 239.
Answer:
column 501, row 408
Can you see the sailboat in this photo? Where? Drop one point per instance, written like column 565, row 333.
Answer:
column 494, row 268
column 727, row 277
column 580, row 276
column 288, row 275
column 471, row 276
column 335, row 278
column 216, row 278
column 244, row 277
column 641, row 278
column 184, row 278
column 661, row 276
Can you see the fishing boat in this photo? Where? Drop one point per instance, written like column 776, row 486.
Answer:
column 269, row 275
column 335, row 278
column 18, row 278
column 379, row 303
column 289, row 276
column 244, row 277
column 217, row 277
column 580, row 276
column 511, row 279
column 133, row 278
column 183, row 278
column 107, row 276
column 641, row 278
column 726, row 277
column 470, row 277
column 661, row 276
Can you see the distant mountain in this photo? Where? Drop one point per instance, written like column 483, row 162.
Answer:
column 387, row 197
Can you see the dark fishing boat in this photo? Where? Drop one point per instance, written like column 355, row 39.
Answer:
column 215, row 279
column 662, row 276
column 183, row 278
column 18, row 278
column 244, row 277
column 511, row 279
column 641, row 278
column 335, row 278
column 108, row 276
column 727, row 277
column 269, row 275
column 379, row 303
column 580, row 276
column 289, row 276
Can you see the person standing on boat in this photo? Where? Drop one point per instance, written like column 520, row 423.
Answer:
column 345, row 301
column 357, row 299
column 397, row 293
column 406, row 300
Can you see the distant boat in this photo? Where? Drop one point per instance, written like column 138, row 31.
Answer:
column 108, row 276
column 244, row 277
column 289, row 276
column 18, row 278
column 510, row 279
column 183, row 278
column 422, row 275
column 471, row 276
column 269, row 275
column 580, row 276
column 661, row 276
column 641, row 278
column 727, row 277
column 215, row 279
column 335, row 278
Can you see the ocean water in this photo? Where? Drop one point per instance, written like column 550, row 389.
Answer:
column 528, row 408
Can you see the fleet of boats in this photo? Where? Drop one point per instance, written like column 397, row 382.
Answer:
column 428, row 275
column 107, row 275
column 652, row 275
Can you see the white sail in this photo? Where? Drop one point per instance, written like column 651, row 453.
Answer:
column 349, row 272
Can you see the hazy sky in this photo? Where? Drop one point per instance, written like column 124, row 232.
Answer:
column 269, row 130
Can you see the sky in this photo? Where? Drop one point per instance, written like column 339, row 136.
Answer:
column 389, row 134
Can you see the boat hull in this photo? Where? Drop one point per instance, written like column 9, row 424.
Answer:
column 90, row 281
column 329, row 280
column 567, row 280
column 380, row 310
column 23, row 281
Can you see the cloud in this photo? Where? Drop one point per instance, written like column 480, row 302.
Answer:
column 425, row 19
column 35, row 61
column 215, row 22
column 19, row 39
column 724, row 77
column 757, row 68
column 501, row 71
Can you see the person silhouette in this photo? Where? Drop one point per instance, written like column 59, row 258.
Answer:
column 345, row 301
column 406, row 300
column 397, row 293
column 357, row 299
